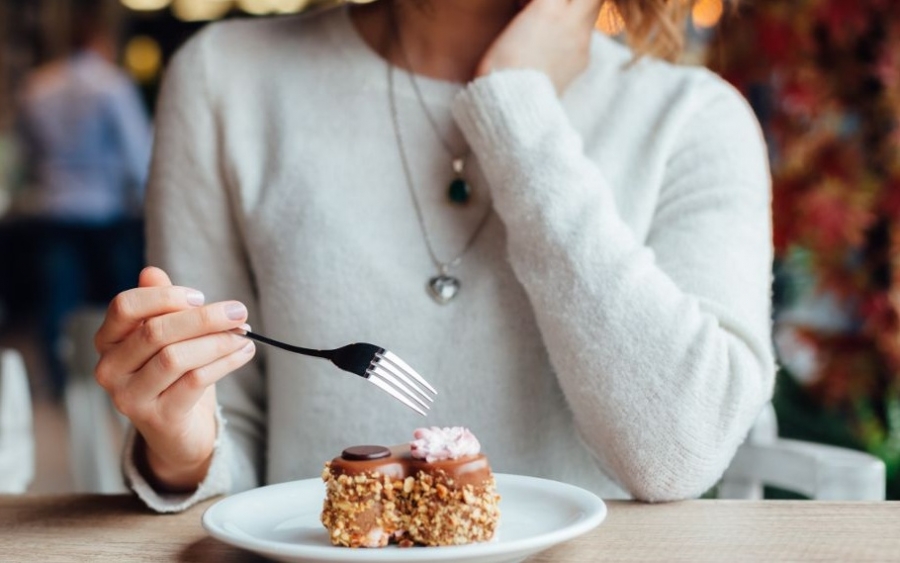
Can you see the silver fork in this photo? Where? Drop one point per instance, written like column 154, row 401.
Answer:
column 380, row 367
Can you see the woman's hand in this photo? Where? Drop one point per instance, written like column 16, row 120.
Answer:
column 161, row 352
column 552, row 36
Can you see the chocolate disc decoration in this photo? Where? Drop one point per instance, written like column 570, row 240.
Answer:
column 363, row 453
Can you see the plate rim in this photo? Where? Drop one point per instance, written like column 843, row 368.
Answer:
column 594, row 507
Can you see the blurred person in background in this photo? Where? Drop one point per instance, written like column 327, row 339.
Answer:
column 85, row 136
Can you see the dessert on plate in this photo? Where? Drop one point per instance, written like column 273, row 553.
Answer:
column 436, row 490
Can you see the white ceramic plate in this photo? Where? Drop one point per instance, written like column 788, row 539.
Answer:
column 282, row 522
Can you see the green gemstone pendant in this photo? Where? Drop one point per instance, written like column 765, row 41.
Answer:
column 459, row 191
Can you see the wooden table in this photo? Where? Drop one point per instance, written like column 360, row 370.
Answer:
column 120, row 529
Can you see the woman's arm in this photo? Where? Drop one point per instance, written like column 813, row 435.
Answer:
column 661, row 346
column 194, row 232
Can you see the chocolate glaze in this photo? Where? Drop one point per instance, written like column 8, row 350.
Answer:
column 473, row 469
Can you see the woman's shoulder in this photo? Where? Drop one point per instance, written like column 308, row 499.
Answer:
column 653, row 82
column 256, row 43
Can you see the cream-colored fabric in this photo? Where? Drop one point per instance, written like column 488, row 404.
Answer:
column 218, row 478
column 612, row 329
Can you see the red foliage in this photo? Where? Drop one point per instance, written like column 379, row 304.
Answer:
column 831, row 69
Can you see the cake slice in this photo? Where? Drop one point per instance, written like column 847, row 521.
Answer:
column 436, row 490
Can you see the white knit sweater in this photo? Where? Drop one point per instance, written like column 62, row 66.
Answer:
column 612, row 329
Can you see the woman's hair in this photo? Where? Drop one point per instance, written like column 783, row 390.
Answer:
column 654, row 27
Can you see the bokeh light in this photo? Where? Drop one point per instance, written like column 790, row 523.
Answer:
column 200, row 10
column 146, row 5
column 143, row 58
column 263, row 7
column 290, row 6
column 707, row 13
column 256, row 7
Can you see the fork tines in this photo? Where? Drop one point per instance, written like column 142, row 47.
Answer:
column 394, row 376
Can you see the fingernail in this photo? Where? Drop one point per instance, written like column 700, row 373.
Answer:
column 235, row 311
column 241, row 330
column 195, row 298
column 249, row 348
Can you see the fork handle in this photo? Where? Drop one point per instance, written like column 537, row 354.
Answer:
column 298, row 349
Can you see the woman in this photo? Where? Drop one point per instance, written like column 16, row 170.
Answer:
column 607, row 325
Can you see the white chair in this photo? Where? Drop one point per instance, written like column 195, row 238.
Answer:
column 817, row 471
column 95, row 428
column 16, row 427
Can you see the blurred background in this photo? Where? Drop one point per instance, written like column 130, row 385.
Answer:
column 78, row 83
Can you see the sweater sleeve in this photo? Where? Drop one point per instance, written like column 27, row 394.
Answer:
column 194, row 232
column 661, row 346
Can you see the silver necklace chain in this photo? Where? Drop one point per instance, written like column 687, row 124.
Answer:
column 443, row 267
column 458, row 161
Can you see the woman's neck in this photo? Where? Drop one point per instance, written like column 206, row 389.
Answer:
column 445, row 39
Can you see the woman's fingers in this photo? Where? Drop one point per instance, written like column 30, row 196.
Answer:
column 551, row 36
column 593, row 12
column 155, row 334
column 189, row 359
column 581, row 10
column 129, row 309
column 155, row 296
column 188, row 389
column 152, row 276
column 584, row 13
column 590, row 6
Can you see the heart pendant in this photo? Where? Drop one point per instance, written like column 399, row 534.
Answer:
column 443, row 288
